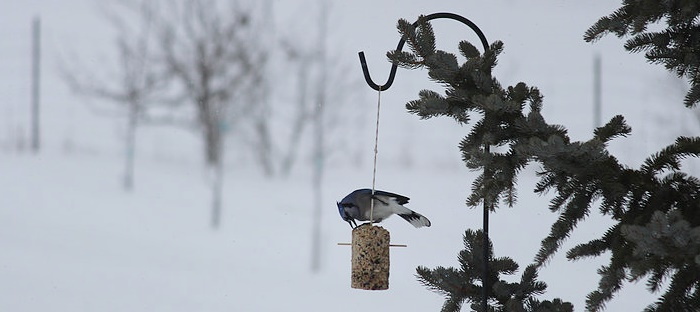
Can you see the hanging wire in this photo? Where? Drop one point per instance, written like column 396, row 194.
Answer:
column 374, row 169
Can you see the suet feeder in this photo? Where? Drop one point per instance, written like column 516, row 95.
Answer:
column 370, row 258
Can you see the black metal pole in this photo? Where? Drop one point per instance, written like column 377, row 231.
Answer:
column 390, row 80
column 485, row 229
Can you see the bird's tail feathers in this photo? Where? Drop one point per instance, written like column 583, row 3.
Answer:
column 415, row 219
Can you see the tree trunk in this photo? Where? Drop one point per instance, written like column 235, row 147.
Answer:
column 301, row 118
column 217, row 190
column 130, row 146
column 319, row 157
column 264, row 146
column 211, row 124
column 212, row 141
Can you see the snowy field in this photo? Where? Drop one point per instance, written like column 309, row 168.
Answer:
column 72, row 240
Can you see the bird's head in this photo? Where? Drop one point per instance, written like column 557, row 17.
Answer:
column 341, row 209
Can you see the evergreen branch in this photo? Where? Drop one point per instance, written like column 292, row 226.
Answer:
column 670, row 156
column 530, row 282
column 605, row 25
column 682, row 293
column 677, row 46
column 556, row 305
column 477, row 195
column 615, row 127
column 430, row 104
column 468, row 50
column 405, row 59
column 575, row 211
column 420, row 38
column 611, row 278
column 445, row 281
column 592, row 248
column 452, row 304
column 460, row 285
column 491, row 55
column 656, row 279
column 408, row 33
column 504, row 265
column 424, row 39
column 609, row 284
column 692, row 98
column 616, row 189
column 548, row 180
column 646, row 41
column 443, row 67
column 565, row 190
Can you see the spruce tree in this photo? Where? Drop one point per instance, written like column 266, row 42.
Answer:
column 655, row 208
column 465, row 284
column 677, row 46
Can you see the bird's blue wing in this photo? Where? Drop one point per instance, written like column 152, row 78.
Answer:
column 400, row 199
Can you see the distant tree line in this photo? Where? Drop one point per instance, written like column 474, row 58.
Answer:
column 207, row 65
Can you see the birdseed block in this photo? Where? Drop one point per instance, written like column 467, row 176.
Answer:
column 370, row 258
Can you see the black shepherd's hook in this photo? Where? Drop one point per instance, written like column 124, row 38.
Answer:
column 433, row 16
column 487, row 206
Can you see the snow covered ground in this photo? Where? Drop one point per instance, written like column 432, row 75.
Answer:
column 72, row 240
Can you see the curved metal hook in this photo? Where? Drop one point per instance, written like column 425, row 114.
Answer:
column 394, row 66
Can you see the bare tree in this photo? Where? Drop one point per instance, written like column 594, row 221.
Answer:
column 302, row 112
column 209, row 50
column 313, row 124
column 206, row 49
column 261, row 115
column 136, row 82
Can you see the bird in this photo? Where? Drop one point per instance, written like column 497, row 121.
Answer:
column 356, row 206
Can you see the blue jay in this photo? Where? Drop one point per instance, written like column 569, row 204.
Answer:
column 356, row 206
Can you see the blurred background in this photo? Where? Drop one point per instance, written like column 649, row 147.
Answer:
column 186, row 155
